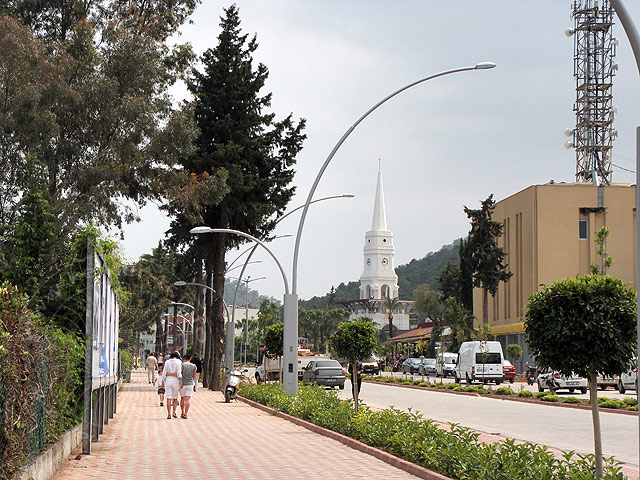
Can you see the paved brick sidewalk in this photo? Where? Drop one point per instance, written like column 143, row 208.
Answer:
column 218, row 441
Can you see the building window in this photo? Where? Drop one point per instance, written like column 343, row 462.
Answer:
column 583, row 229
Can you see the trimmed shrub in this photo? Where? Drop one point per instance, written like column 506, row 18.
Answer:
column 632, row 408
column 525, row 394
column 613, row 403
column 630, row 402
column 551, row 397
column 571, row 400
column 504, row 391
column 542, row 394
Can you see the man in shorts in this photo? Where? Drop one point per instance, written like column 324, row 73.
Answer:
column 172, row 376
column 198, row 363
column 188, row 377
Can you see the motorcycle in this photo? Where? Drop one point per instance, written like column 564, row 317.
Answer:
column 531, row 374
column 234, row 378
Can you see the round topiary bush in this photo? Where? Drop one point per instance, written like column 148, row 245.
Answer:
column 504, row 391
column 525, row 394
column 539, row 395
column 551, row 397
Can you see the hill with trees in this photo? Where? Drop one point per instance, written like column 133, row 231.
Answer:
column 410, row 275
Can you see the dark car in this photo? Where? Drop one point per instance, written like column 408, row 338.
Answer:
column 411, row 365
column 328, row 373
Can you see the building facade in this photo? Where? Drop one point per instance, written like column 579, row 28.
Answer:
column 548, row 235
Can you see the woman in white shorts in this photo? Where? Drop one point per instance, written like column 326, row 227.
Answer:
column 172, row 376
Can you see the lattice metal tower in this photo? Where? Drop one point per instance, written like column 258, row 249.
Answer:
column 593, row 69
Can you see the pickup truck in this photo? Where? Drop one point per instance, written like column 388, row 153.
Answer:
column 269, row 368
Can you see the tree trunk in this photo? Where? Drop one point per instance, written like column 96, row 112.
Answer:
column 198, row 324
column 215, row 266
column 485, row 306
column 595, row 416
column 159, row 336
column 354, row 385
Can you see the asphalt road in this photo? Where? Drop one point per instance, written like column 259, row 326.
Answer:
column 563, row 428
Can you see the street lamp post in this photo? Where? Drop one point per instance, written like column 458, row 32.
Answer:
column 634, row 40
column 229, row 333
column 292, row 323
column 245, row 335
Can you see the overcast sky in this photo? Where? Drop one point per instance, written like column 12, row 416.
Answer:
column 443, row 144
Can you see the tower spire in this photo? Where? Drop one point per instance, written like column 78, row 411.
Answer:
column 379, row 213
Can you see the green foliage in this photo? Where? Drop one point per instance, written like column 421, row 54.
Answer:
column 456, row 453
column 273, row 340
column 550, row 397
column 571, row 400
column 583, row 325
column 606, row 260
column 514, row 351
column 126, row 362
column 613, row 403
column 348, row 291
column 630, row 402
column 504, row 391
column 40, row 381
column 525, row 394
column 542, row 394
column 354, row 340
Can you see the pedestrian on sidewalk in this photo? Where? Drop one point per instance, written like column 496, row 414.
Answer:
column 152, row 365
column 188, row 377
column 172, row 376
column 160, row 361
column 160, row 379
column 198, row 363
column 353, row 384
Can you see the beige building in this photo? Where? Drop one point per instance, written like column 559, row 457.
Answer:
column 548, row 235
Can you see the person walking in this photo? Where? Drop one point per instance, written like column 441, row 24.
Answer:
column 198, row 363
column 160, row 380
column 359, row 371
column 188, row 377
column 172, row 377
column 152, row 365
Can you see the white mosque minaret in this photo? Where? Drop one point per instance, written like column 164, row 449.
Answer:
column 379, row 279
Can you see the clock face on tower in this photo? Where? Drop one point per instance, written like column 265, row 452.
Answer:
column 385, row 261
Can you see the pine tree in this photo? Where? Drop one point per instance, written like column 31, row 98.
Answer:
column 246, row 148
column 486, row 256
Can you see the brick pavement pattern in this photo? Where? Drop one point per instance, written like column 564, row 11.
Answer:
column 218, row 441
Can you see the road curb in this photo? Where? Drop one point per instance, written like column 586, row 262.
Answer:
column 509, row 398
column 397, row 462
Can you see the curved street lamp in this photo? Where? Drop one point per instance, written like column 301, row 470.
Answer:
column 290, row 380
column 634, row 39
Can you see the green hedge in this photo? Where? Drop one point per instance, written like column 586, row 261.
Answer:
column 456, row 453
column 40, row 381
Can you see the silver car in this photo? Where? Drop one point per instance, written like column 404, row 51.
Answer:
column 328, row 373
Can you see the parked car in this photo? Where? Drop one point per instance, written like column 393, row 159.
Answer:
column 629, row 380
column 555, row 381
column 324, row 372
column 371, row 366
column 509, row 371
column 411, row 365
column 605, row 381
column 480, row 362
column 429, row 366
column 446, row 364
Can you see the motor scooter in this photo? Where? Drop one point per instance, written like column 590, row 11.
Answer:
column 234, row 379
column 531, row 374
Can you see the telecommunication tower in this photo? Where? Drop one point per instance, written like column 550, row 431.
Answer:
column 593, row 69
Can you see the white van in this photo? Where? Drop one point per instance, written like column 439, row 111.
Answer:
column 446, row 364
column 480, row 362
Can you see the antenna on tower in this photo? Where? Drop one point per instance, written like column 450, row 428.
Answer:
column 593, row 69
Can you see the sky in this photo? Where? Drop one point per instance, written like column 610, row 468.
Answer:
column 441, row 145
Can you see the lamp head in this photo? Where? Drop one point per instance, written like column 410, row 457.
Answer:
column 348, row 195
column 202, row 229
column 485, row 65
column 180, row 283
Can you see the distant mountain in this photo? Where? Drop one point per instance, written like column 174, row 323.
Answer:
column 414, row 273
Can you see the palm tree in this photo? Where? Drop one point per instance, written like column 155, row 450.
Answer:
column 390, row 304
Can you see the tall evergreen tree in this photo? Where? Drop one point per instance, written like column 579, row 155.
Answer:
column 247, row 148
column 486, row 256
